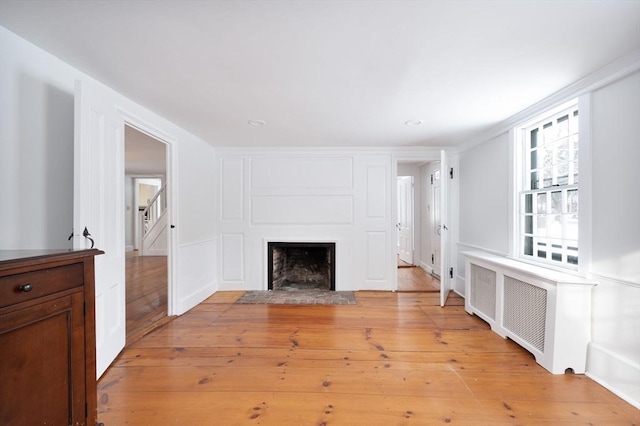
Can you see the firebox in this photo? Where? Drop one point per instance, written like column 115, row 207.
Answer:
column 301, row 266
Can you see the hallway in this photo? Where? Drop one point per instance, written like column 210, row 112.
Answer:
column 146, row 294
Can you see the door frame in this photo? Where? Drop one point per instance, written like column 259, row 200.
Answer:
column 422, row 156
column 172, row 194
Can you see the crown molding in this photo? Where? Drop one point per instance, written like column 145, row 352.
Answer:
column 600, row 78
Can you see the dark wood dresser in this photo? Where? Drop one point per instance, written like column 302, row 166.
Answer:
column 47, row 337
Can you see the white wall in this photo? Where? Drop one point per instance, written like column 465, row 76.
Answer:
column 307, row 195
column 36, row 166
column 614, row 354
column 36, row 148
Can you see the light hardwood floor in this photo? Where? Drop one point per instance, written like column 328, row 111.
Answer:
column 146, row 294
column 392, row 359
column 416, row 279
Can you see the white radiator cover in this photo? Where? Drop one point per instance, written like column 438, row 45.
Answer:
column 546, row 312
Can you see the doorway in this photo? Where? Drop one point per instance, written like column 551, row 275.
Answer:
column 413, row 245
column 146, row 234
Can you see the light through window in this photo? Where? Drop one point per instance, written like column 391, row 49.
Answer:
column 549, row 191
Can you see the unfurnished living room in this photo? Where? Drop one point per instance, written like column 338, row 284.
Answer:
column 341, row 212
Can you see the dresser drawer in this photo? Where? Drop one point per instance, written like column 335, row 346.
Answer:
column 31, row 285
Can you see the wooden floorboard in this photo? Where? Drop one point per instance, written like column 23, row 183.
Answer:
column 146, row 294
column 392, row 359
column 416, row 279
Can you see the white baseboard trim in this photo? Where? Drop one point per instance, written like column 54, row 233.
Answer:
column 155, row 252
column 128, row 248
column 195, row 298
column 619, row 375
column 428, row 269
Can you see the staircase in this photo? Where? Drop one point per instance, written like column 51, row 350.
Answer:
column 153, row 226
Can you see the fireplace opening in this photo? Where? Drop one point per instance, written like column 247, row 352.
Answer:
column 301, row 266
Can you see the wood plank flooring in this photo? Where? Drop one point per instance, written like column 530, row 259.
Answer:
column 416, row 279
column 146, row 294
column 392, row 359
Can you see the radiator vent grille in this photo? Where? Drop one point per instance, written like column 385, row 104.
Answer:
column 483, row 290
column 525, row 310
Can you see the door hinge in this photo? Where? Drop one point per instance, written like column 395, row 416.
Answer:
column 451, row 173
column 451, row 272
column 431, row 178
column 433, row 260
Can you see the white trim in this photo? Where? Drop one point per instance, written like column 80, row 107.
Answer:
column 195, row 243
column 613, row 280
column 170, row 179
column 518, row 170
column 614, row 373
column 475, row 247
column 585, row 184
column 600, row 78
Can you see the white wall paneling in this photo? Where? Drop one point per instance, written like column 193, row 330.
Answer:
column 233, row 257
column 377, row 248
column 302, row 172
column 309, row 196
column 232, row 188
column 377, row 180
column 302, row 210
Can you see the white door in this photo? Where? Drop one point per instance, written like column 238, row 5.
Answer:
column 405, row 219
column 445, row 280
column 98, row 208
column 436, row 223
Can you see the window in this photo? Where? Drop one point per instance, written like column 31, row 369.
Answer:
column 548, row 191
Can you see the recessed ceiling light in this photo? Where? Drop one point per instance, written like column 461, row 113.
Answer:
column 413, row 122
column 257, row 123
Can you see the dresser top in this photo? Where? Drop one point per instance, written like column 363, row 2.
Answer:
column 9, row 258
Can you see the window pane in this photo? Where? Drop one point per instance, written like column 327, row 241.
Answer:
column 548, row 132
column 571, row 226
column 554, row 227
column 541, row 225
column 547, row 155
column 542, row 202
column 556, row 202
column 562, row 174
column 528, row 246
column 562, row 151
column 572, row 201
column 575, row 172
column 547, row 177
column 534, row 159
column 528, row 224
column 528, row 203
column 534, row 180
column 563, row 126
column 534, row 138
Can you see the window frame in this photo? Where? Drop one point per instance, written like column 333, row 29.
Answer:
column 518, row 171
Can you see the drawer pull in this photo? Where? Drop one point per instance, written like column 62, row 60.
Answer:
column 25, row 288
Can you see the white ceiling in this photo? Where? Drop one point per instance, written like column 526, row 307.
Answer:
column 332, row 73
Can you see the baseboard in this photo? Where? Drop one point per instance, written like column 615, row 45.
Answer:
column 155, row 252
column 128, row 248
column 619, row 375
column 426, row 267
column 195, row 298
